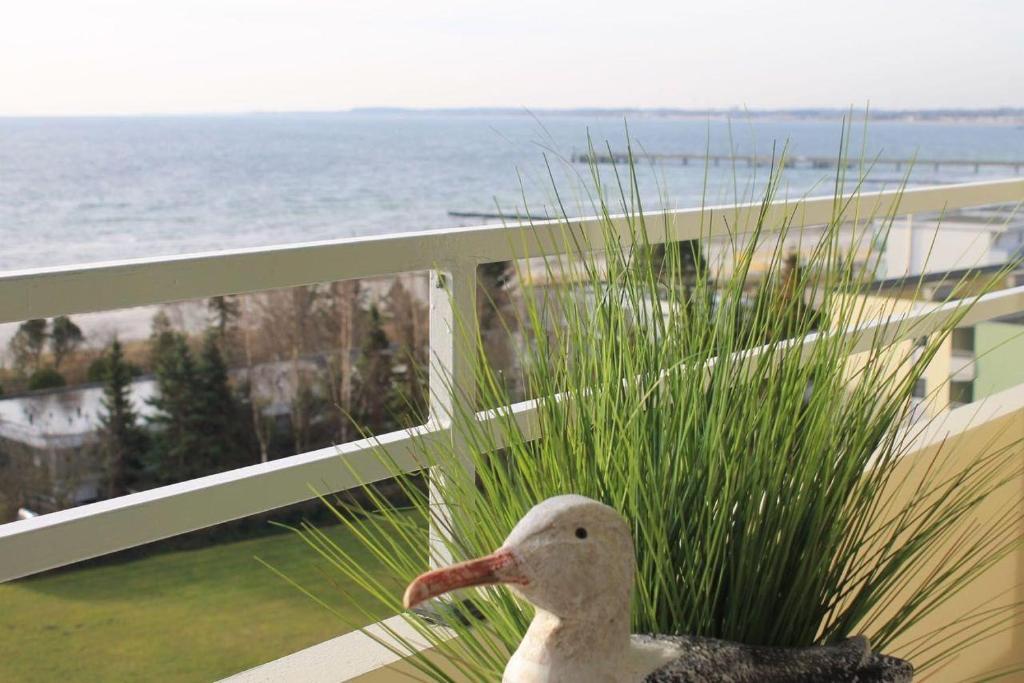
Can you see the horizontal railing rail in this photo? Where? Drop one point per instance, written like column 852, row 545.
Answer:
column 46, row 292
column 60, row 538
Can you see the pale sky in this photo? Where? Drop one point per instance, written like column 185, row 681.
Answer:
column 170, row 56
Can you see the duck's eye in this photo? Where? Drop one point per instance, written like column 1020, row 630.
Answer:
column 581, row 532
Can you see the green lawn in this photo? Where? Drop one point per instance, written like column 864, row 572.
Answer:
column 193, row 615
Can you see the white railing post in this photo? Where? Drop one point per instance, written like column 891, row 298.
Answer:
column 453, row 332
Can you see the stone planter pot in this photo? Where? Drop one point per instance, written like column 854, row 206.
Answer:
column 706, row 660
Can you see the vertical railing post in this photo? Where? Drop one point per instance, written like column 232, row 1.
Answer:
column 453, row 333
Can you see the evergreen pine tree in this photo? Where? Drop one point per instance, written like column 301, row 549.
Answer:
column 197, row 425
column 224, row 310
column 219, row 415
column 376, row 396
column 123, row 442
column 177, row 438
column 161, row 338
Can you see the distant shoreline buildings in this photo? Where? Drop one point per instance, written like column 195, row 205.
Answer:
column 993, row 115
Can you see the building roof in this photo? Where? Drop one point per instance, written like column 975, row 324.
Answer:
column 68, row 416
column 65, row 417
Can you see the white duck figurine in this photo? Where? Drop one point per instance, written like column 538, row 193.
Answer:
column 572, row 558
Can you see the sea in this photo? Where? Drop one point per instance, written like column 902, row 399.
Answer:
column 83, row 190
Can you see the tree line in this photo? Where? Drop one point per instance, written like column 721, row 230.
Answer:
column 266, row 376
column 33, row 338
column 209, row 414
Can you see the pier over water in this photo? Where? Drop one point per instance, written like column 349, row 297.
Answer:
column 798, row 161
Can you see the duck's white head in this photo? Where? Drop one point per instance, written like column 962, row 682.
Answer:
column 569, row 556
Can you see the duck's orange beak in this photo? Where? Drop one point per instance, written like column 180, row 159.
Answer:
column 500, row 566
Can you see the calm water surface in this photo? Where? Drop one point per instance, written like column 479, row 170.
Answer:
column 89, row 189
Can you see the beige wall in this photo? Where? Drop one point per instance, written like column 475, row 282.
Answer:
column 1003, row 583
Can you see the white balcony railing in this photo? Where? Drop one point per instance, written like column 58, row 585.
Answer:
column 452, row 256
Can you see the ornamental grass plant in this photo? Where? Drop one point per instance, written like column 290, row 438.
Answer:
column 706, row 390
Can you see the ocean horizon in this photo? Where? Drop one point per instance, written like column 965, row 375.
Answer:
column 87, row 189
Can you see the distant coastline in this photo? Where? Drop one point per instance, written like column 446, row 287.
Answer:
column 1000, row 115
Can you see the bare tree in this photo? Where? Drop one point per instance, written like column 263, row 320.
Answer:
column 261, row 427
column 408, row 320
column 27, row 344
column 65, row 338
column 346, row 298
column 288, row 323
